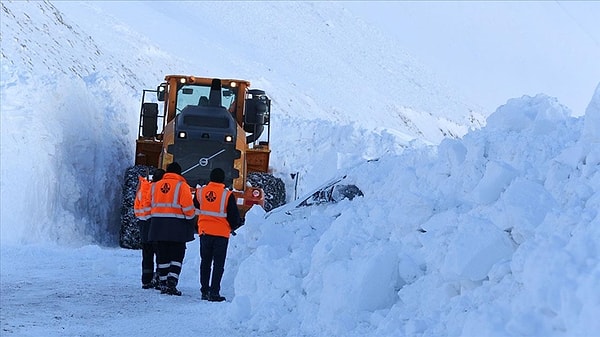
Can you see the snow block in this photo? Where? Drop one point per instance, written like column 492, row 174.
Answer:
column 496, row 178
column 474, row 249
column 526, row 204
column 592, row 119
column 540, row 113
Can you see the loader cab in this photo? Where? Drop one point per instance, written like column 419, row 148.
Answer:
column 201, row 132
column 199, row 94
column 202, row 102
column 249, row 107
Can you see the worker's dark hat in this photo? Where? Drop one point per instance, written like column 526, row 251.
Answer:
column 174, row 167
column 217, row 175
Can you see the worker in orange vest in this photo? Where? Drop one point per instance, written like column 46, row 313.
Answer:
column 172, row 224
column 218, row 216
column 141, row 208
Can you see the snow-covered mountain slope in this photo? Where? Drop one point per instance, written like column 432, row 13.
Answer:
column 332, row 66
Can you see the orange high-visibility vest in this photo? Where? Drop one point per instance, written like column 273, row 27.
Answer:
column 141, row 210
column 171, row 198
column 212, row 215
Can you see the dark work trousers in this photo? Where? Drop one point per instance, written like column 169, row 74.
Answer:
column 213, row 250
column 170, row 258
column 148, row 252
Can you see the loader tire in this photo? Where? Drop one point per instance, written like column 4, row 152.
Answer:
column 130, row 231
column 273, row 187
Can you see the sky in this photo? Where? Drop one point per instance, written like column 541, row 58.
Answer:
column 470, row 223
column 492, row 50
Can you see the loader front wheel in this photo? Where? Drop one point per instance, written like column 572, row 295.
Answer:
column 273, row 187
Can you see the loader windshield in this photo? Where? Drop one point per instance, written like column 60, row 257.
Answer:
column 191, row 94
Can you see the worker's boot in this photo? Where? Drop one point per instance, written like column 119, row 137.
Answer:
column 215, row 297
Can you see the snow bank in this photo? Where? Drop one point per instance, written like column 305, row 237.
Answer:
column 488, row 235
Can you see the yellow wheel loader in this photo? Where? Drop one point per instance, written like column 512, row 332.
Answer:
column 203, row 123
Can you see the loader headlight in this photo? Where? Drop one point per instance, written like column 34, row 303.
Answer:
column 182, row 134
column 229, row 139
column 233, row 84
column 182, row 80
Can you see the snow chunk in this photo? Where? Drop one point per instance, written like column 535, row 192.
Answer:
column 475, row 248
column 496, row 178
column 540, row 113
column 526, row 204
column 592, row 119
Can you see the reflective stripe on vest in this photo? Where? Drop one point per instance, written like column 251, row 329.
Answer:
column 141, row 212
column 173, row 205
column 221, row 213
column 212, row 212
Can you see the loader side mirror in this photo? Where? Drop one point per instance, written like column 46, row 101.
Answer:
column 149, row 119
column 254, row 119
column 257, row 112
column 161, row 91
